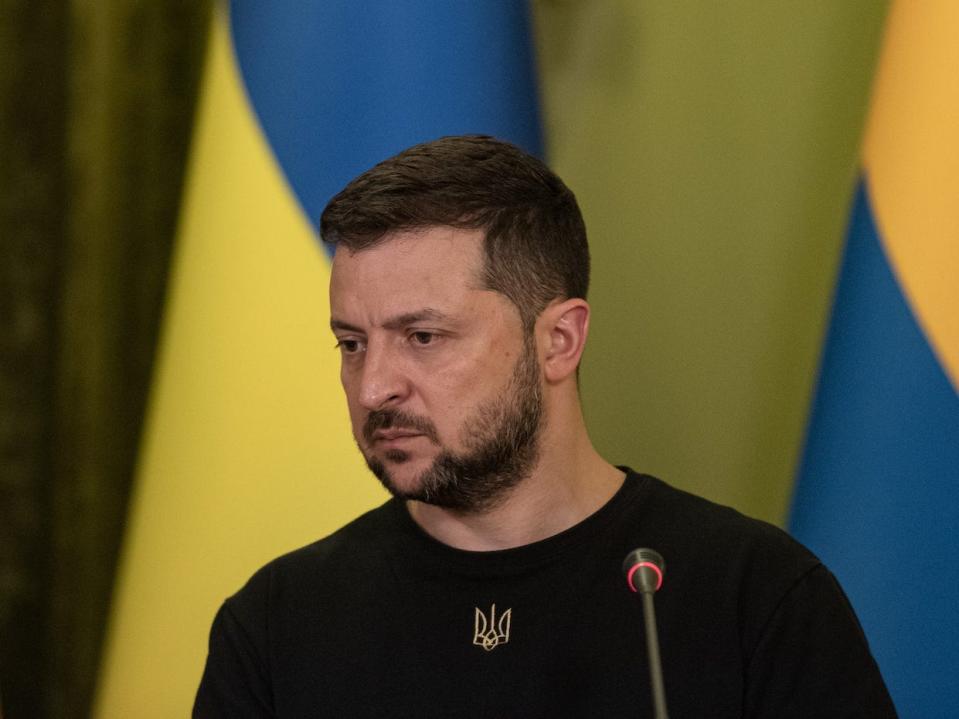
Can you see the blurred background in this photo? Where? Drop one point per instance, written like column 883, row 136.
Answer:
column 713, row 148
column 96, row 104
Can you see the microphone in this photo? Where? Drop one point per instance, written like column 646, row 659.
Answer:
column 644, row 570
column 644, row 574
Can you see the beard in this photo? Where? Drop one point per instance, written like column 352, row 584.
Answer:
column 501, row 440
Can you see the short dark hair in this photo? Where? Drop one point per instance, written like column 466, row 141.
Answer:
column 535, row 246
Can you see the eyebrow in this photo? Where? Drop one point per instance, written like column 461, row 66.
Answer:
column 397, row 322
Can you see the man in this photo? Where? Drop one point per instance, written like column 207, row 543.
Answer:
column 490, row 585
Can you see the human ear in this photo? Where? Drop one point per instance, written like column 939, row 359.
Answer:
column 563, row 327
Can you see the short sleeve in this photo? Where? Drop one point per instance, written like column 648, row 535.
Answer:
column 235, row 680
column 813, row 659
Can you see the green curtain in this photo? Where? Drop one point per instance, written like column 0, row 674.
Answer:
column 96, row 102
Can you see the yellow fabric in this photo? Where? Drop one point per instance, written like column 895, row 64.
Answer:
column 247, row 451
column 911, row 157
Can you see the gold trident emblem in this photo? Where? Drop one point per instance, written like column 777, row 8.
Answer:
column 489, row 633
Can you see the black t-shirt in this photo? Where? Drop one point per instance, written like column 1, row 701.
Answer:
column 381, row 620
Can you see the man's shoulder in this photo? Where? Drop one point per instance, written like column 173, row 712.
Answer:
column 708, row 518
column 696, row 529
column 364, row 532
column 723, row 568
column 348, row 550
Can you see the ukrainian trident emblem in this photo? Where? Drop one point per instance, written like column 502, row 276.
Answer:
column 489, row 632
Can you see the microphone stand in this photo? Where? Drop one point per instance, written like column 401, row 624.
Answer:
column 655, row 665
column 644, row 574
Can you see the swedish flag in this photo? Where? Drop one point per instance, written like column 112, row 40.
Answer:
column 878, row 494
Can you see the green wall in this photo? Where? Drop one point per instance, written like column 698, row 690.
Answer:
column 713, row 148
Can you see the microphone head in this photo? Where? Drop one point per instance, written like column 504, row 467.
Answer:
column 644, row 570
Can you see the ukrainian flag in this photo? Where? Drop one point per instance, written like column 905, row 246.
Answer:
column 878, row 494
column 247, row 452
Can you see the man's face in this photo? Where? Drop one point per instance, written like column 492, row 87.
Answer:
column 442, row 383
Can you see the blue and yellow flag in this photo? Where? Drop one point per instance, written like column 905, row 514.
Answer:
column 247, row 451
column 878, row 494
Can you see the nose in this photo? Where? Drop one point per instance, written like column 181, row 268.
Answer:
column 382, row 383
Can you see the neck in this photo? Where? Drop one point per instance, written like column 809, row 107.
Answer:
column 569, row 483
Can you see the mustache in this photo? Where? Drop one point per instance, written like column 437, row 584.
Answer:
column 396, row 419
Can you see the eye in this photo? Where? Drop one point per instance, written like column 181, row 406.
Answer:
column 349, row 346
column 422, row 338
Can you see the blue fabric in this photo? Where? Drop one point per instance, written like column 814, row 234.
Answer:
column 878, row 491
column 339, row 85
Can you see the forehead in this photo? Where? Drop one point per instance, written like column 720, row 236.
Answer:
column 431, row 261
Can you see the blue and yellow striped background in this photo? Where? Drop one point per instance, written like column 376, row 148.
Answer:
column 709, row 149
column 878, row 494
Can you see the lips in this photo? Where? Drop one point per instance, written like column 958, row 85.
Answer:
column 391, row 435
column 393, row 425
